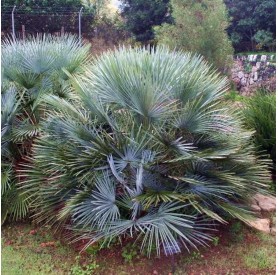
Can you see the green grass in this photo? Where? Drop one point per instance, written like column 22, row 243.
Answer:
column 233, row 96
column 15, row 262
column 22, row 254
column 259, row 259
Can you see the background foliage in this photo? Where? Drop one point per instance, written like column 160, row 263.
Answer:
column 253, row 24
column 141, row 16
column 200, row 26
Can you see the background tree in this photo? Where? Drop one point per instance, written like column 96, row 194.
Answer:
column 200, row 26
column 252, row 23
column 141, row 16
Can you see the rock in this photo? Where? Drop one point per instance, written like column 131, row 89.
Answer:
column 236, row 80
column 263, row 58
column 243, row 81
column 266, row 203
column 255, row 76
column 240, row 74
column 253, row 72
column 254, row 69
column 273, row 231
column 260, row 197
column 255, row 208
column 267, row 207
column 261, row 225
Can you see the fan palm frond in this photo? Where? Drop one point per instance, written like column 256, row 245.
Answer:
column 152, row 154
column 99, row 208
column 31, row 70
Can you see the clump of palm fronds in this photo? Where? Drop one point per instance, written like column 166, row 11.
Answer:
column 151, row 154
column 13, row 202
column 30, row 70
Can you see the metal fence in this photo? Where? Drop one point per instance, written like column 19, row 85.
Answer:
column 20, row 22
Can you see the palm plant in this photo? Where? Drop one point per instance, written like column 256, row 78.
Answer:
column 37, row 67
column 260, row 114
column 13, row 202
column 30, row 70
column 152, row 153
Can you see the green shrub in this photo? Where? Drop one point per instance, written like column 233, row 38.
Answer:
column 233, row 96
column 30, row 70
column 152, row 154
column 260, row 115
column 199, row 26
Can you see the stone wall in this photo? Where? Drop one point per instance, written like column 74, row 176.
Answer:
column 251, row 72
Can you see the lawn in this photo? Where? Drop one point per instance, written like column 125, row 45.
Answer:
column 27, row 249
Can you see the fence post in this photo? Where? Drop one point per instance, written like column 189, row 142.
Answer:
column 79, row 21
column 62, row 31
column 13, row 23
column 23, row 32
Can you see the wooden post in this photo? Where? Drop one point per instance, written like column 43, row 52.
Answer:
column 23, row 32
column 62, row 31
